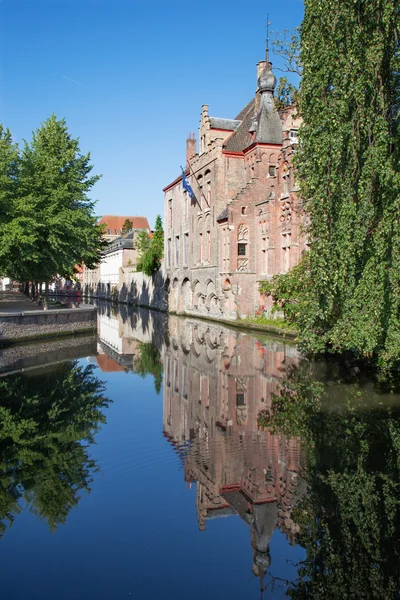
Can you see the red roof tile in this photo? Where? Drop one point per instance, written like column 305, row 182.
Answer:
column 115, row 222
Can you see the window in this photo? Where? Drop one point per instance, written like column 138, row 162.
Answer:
column 293, row 136
column 116, row 231
column 185, row 248
column 264, row 248
column 177, row 251
column 286, row 242
column 200, row 183
column 201, row 248
column 271, row 170
column 242, row 238
column 207, row 176
column 244, row 210
column 109, row 232
column 225, row 249
column 241, row 249
column 239, row 399
column 169, row 252
column 208, row 246
column 170, row 213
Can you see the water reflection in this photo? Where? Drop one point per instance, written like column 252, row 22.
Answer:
column 47, row 422
column 216, row 383
column 309, row 448
column 306, row 449
column 349, row 520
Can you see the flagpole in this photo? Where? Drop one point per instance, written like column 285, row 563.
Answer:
column 201, row 191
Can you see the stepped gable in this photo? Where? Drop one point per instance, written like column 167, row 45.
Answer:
column 241, row 137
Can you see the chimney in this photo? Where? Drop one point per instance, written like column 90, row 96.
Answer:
column 190, row 147
column 260, row 68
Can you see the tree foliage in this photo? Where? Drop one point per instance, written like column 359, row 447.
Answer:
column 349, row 516
column 151, row 250
column 50, row 225
column 148, row 361
column 348, row 170
column 286, row 44
column 127, row 226
column 47, row 421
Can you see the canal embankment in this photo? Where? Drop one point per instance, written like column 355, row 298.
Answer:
column 22, row 320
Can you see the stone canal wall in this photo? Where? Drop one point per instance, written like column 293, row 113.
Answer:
column 135, row 289
column 30, row 325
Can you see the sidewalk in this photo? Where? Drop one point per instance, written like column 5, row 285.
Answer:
column 16, row 302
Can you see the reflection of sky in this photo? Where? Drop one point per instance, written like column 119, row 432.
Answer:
column 136, row 534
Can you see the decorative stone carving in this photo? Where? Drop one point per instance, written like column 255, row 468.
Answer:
column 243, row 264
column 243, row 233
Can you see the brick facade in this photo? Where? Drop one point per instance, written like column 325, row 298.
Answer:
column 243, row 224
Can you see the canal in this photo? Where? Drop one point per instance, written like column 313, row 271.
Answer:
column 176, row 458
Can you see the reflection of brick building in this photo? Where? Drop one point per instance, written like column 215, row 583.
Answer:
column 244, row 225
column 215, row 384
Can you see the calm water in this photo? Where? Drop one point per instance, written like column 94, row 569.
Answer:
column 182, row 459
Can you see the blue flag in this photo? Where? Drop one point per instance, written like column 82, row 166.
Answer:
column 186, row 185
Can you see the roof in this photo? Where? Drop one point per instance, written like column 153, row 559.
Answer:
column 125, row 241
column 244, row 110
column 223, row 215
column 227, row 124
column 241, row 137
column 115, row 222
column 269, row 126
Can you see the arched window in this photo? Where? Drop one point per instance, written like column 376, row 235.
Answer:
column 207, row 177
column 200, row 184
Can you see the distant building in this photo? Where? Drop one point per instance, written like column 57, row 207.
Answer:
column 244, row 224
column 120, row 254
column 113, row 225
column 5, row 283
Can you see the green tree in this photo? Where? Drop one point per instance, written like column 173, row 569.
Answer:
column 286, row 44
column 47, row 421
column 349, row 175
column 151, row 250
column 52, row 225
column 9, row 171
column 127, row 226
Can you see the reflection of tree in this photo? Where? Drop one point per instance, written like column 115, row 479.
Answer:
column 43, row 421
column 350, row 517
column 148, row 360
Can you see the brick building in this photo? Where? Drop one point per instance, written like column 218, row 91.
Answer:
column 243, row 225
column 216, row 382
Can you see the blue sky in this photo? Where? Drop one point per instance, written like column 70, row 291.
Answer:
column 130, row 77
